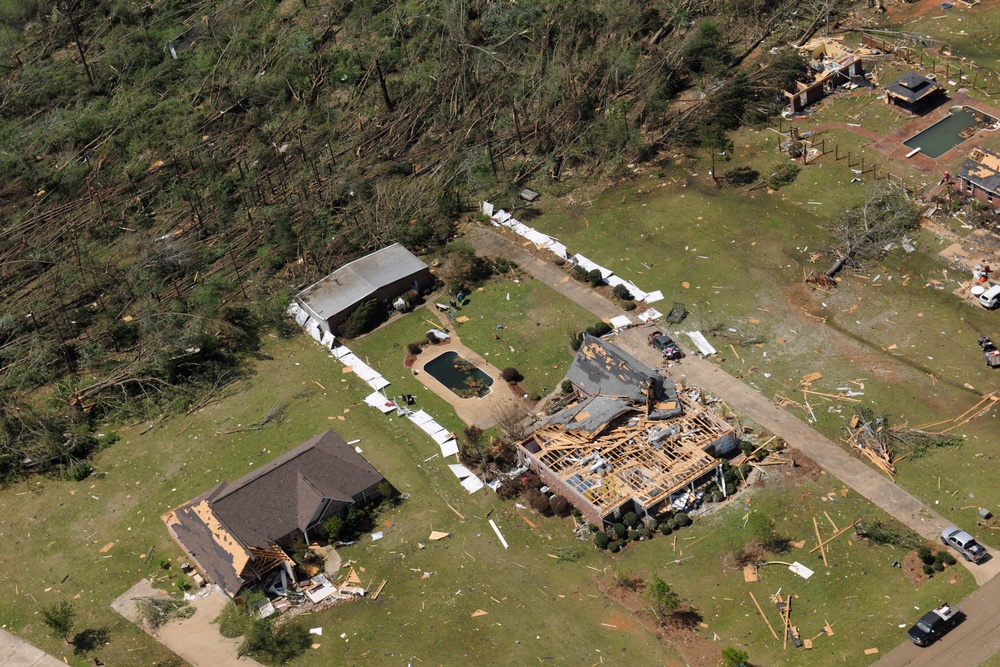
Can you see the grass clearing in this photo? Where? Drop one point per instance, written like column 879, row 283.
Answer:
column 861, row 594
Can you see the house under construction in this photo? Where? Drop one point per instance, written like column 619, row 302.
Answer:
column 631, row 442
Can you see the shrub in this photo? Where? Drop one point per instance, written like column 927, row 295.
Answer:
column 365, row 317
column 566, row 386
column 628, row 305
column 682, row 519
column 672, row 524
column 575, row 344
column 614, row 546
column 595, row 278
column 414, row 348
column 509, row 489
column 334, row 525
column 928, row 569
column 925, row 555
column 559, row 506
column 620, row 530
column 938, row 566
column 633, row 535
column 734, row 657
column 80, row 471
column 531, row 480
column 665, row 528
column 631, row 519
column 621, row 292
column 541, row 504
column 645, row 533
column 60, row 618
column 511, row 375
column 233, row 621
column 601, row 540
column 785, row 175
column 662, row 600
column 948, row 558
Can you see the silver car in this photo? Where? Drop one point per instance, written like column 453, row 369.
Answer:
column 964, row 543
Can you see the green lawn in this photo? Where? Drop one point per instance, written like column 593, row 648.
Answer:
column 861, row 594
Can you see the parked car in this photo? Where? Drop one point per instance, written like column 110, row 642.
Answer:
column 934, row 624
column 990, row 298
column 990, row 351
column 666, row 345
column 964, row 543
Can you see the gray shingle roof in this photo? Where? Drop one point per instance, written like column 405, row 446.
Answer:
column 984, row 171
column 267, row 504
column 592, row 413
column 358, row 280
column 603, row 368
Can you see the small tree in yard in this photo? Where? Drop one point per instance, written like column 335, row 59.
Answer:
column 663, row 601
column 60, row 618
column 559, row 506
column 734, row 657
column 511, row 375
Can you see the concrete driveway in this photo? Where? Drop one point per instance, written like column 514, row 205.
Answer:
column 16, row 652
column 195, row 639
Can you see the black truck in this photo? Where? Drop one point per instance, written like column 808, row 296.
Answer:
column 934, row 624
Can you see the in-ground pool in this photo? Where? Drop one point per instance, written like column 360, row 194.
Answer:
column 949, row 132
column 459, row 374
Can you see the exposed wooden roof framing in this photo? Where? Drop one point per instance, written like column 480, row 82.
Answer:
column 640, row 459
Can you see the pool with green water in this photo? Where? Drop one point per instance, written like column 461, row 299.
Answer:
column 459, row 374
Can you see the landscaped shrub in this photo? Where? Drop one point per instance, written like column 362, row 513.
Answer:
column 620, row 530
column 414, row 348
column 566, row 386
column 948, row 558
column 365, row 317
column 531, row 480
column 633, row 535
column 682, row 519
column 665, row 528
column 80, row 471
column 672, row 524
column 559, row 506
column 601, row 540
column 628, row 305
column 925, row 555
column 541, row 504
column 631, row 519
column 509, row 489
column 621, row 292
column 614, row 546
column 928, row 569
column 510, row 375
column 645, row 533
column 595, row 277
column 938, row 566
column 334, row 526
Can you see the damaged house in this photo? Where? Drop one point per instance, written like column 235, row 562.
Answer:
column 979, row 177
column 631, row 442
column 236, row 533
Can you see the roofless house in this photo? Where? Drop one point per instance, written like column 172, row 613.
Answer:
column 630, row 443
column 914, row 93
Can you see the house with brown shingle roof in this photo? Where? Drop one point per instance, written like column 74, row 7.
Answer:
column 237, row 532
column 979, row 177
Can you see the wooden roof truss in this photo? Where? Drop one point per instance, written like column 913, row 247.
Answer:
column 263, row 561
column 641, row 459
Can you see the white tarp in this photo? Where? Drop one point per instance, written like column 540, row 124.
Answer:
column 699, row 340
column 380, row 402
column 472, row 484
column 450, row 447
column 621, row 322
column 650, row 315
column 653, row 297
column 588, row 265
column 460, row 470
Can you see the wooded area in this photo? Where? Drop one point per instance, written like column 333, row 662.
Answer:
column 171, row 171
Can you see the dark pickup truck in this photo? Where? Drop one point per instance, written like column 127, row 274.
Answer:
column 934, row 624
column 665, row 345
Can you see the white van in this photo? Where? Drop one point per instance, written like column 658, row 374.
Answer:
column 991, row 297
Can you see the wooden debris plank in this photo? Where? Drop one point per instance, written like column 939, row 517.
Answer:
column 835, row 529
column 749, row 573
column 757, row 604
column 819, row 538
column 832, row 538
column 378, row 591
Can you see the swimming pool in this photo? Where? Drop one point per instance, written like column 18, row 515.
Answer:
column 459, row 374
column 948, row 132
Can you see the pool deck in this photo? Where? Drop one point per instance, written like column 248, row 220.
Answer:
column 892, row 146
column 484, row 412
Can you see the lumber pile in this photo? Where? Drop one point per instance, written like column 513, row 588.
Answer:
column 873, row 437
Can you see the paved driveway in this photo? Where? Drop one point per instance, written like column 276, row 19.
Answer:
column 16, row 652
